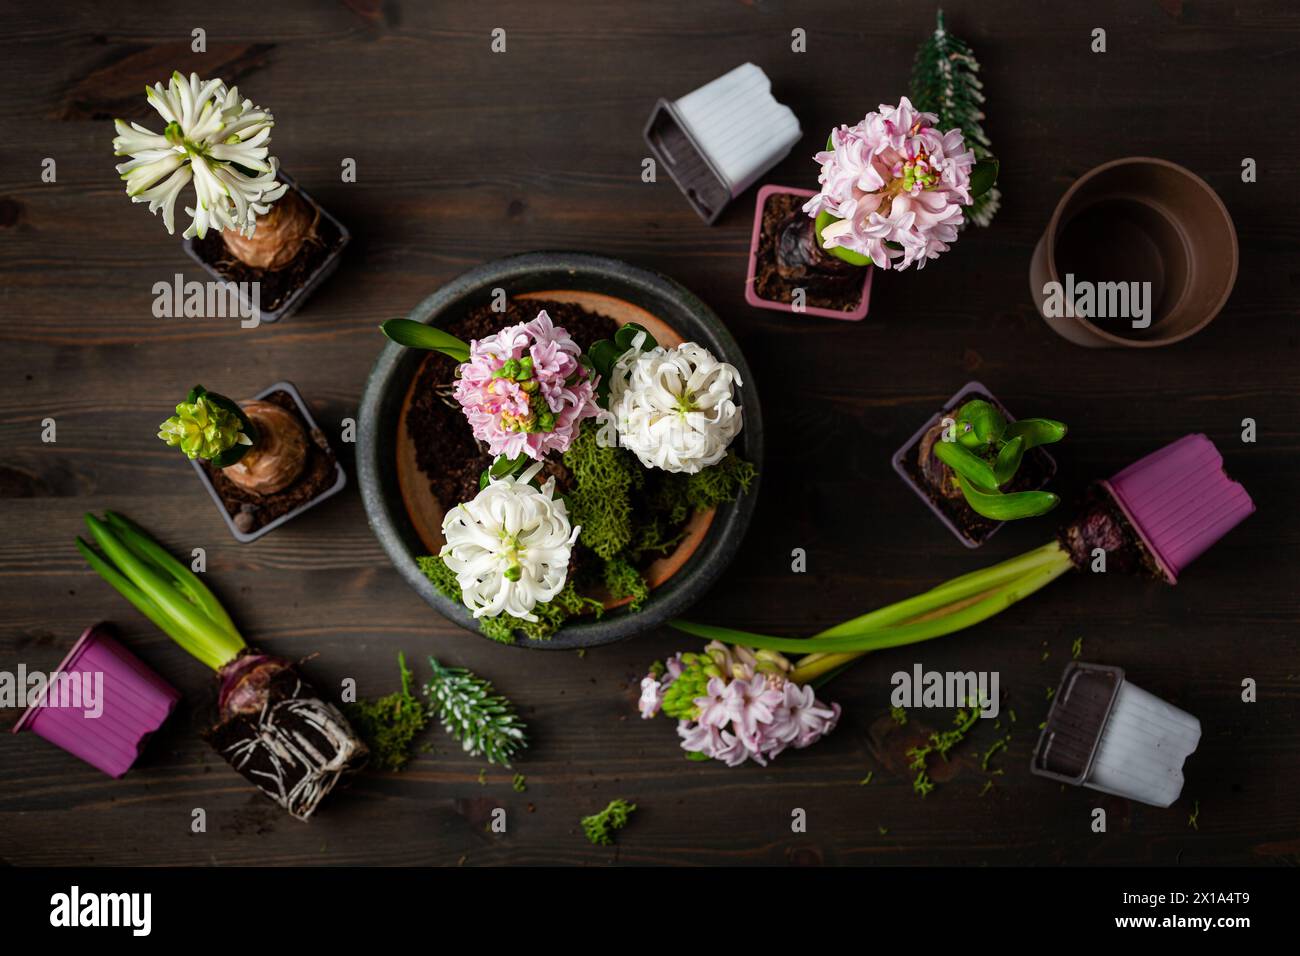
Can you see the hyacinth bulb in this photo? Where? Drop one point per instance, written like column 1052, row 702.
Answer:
column 279, row 455
column 281, row 235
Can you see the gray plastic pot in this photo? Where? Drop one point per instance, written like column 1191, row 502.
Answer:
column 301, row 294
column 535, row 272
column 314, row 434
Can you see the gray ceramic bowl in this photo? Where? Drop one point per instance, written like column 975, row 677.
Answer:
column 536, row 272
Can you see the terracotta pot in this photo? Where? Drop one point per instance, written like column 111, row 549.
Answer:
column 407, row 519
column 754, row 299
column 1138, row 220
column 426, row 512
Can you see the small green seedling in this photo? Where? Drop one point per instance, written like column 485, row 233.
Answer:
column 984, row 451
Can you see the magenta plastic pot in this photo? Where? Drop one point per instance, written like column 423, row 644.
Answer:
column 1180, row 501
column 754, row 299
column 133, row 704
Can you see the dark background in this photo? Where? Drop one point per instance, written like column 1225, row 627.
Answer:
column 464, row 156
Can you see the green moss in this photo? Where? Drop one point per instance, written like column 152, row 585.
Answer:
column 600, row 499
column 389, row 724
column 624, row 581
column 442, row 577
column 725, row 481
column 599, row 827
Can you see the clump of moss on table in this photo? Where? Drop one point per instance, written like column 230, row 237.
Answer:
column 390, row 724
column 629, row 515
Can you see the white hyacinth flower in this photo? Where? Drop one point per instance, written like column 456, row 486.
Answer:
column 510, row 546
column 213, row 139
column 675, row 408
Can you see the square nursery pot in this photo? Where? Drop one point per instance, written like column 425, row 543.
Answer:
column 761, row 244
column 285, row 290
column 718, row 140
column 969, row 528
column 322, row 470
column 1108, row 734
column 135, row 703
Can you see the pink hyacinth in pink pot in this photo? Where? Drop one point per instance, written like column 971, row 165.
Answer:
column 893, row 187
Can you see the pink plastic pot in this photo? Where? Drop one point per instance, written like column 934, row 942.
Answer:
column 754, row 299
column 1180, row 501
column 135, row 702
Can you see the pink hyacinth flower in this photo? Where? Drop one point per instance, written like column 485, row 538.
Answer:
column 894, row 178
column 525, row 391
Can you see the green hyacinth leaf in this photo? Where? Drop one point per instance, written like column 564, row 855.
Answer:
column 417, row 335
column 999, row 507
column 626, row 336
column 1037, row 431
column 984, row 176
column 1008, row 461
column 502, row 467
column 979, row 424
column 965, row 463
column 825, row 219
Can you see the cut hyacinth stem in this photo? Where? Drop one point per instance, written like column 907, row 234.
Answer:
column 946, row 595
column 945, row 610
column 156, row 586
column 941, row 621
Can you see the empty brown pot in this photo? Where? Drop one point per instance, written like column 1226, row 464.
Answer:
column 1139, row 252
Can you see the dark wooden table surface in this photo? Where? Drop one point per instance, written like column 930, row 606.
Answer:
column 463, row 156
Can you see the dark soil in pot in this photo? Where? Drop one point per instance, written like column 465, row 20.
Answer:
column 788, row 258
column 251, row 511
column 935, row 480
